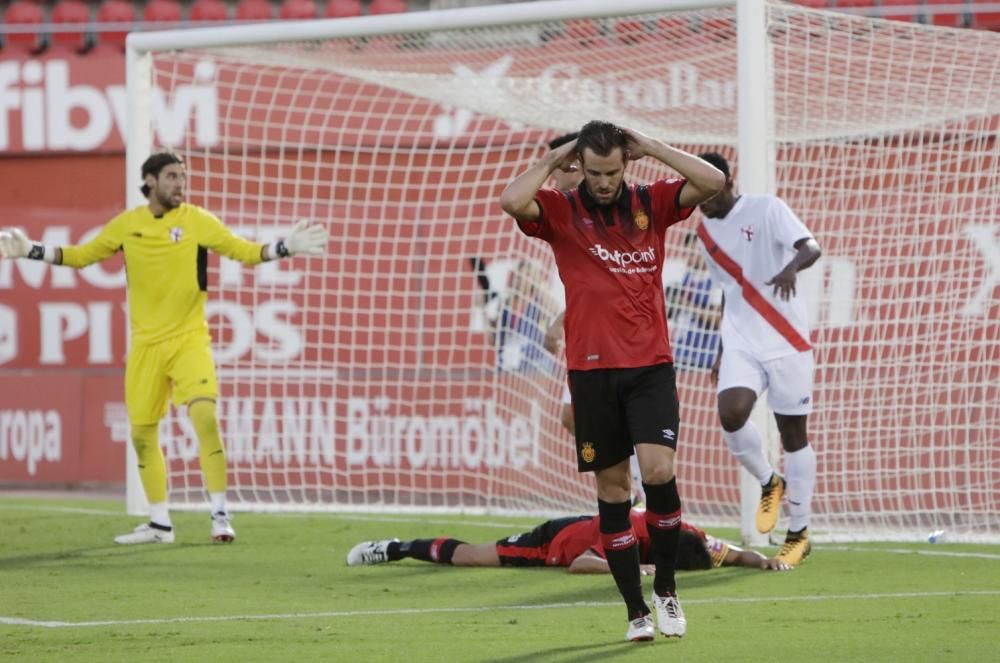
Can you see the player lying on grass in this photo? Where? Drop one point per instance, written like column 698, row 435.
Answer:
column 166, row 244
column 573, row 542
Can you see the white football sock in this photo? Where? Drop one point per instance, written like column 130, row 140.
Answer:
column 800, row 477
column 159, row 514
column 218, row 502
column 746, row 447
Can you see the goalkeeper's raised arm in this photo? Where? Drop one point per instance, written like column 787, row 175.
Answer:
column 165, row 243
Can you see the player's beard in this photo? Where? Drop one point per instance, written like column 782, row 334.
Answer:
column 166, row 200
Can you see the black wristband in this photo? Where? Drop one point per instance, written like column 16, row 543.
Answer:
column 37, row 252
column 280, row 249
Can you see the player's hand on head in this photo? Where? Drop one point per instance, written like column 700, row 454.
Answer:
column 566, row 157
column 14, row 243
column 307, row 239
column 636, row 143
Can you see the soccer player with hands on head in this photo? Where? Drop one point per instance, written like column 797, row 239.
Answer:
column 608, row 237
column 165, row 244
column 755, row 246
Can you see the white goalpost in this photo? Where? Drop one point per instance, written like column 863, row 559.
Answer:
column 405, row 371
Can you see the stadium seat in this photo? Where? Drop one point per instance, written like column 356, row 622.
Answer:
column 297, row 10
column 23, row 13
column 897, row 16
column 66, row 13
column 631, row 31
column 342, row 8
column 985, row 19
column 948, row 19
column 113, row 11
column 208, row 10
column 813, row 4
column 254, row 10
column 387, row 7
column 162, row 11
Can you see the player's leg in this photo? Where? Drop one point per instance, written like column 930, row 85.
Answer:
column 653, row 415
column 192, row 370
column 741, row 379
column 790, row 396
column 146, row 390
column 603, row 447
column 566, row 413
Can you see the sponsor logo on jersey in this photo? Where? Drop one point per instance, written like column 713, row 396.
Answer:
column 625, row 258
column 588, row 453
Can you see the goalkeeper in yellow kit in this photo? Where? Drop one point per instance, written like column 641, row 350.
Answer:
column 165, row 244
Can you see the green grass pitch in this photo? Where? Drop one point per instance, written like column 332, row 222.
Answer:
column 283, row 593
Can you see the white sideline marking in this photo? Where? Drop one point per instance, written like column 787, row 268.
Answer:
column 910, row 551
column 18, row 621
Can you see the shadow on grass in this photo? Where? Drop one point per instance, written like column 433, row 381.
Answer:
column 580, row 653
column 111, row 551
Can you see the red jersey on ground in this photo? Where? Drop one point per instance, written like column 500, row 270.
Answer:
column 578, row 538
column 610, row 259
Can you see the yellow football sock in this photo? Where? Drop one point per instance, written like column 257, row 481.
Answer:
column 152, row 468
column 211, row 453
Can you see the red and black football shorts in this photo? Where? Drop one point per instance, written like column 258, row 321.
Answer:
column 617, row 408
column 532, row 548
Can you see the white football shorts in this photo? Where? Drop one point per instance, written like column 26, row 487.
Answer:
column 788, row 380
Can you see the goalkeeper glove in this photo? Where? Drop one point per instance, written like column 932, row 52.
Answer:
column 304, row 238
column 14, row 243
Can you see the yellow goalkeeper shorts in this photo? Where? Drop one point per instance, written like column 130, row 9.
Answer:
column 181, row 366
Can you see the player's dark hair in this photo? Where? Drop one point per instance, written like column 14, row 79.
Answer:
column 154, row 164
column 601, row 138
column 562, row 140
column 692, row 555
column 718, row 161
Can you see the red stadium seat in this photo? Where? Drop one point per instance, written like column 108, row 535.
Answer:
column 342, row 8
column 113, row 11
column 162, row 11
column 387, row 7
column 949, row 19
column 630, row 31
column 254, row 10
column 24, row 14
column 898, row 16
column 985, row 19
column 297, row 10
column 813, row 4
column 852, row 4
column 208, row 10
column 66, row 13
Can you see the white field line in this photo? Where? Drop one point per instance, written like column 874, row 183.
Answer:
column 18, row 621
column 512, row 526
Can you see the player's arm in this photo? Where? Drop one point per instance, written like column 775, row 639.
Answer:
column 718, row 355
column 303, row 238
column 518, row 199
column 703, row 179
column 15, row 244
column 752, row 560
column 554, row 334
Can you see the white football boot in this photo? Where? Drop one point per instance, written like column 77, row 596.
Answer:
column 367, row 553
column 669, row 615
column 641, row 629
column 145, row 533
column 222, row 528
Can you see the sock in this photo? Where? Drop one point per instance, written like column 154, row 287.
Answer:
column 210, row 452
column 159, row 515
column 746, row 447
column 439, row 551
column 663, row 522
column 218, row 502
column 621, row 548
column 800, row 479
column 152, row 470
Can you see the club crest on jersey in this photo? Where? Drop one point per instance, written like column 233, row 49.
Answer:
column 176, row 233
column 588, row 453
column 641, row 220
column 747, row 232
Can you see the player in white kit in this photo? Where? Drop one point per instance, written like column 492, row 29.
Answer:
column 755, row 246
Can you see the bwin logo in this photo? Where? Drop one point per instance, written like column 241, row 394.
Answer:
column 668, row 434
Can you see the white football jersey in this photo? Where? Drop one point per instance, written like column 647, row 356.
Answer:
column 744, row 251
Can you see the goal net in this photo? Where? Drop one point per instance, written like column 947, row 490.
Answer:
column 406, row 369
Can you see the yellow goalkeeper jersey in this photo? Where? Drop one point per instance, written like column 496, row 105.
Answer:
column 166, row 263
